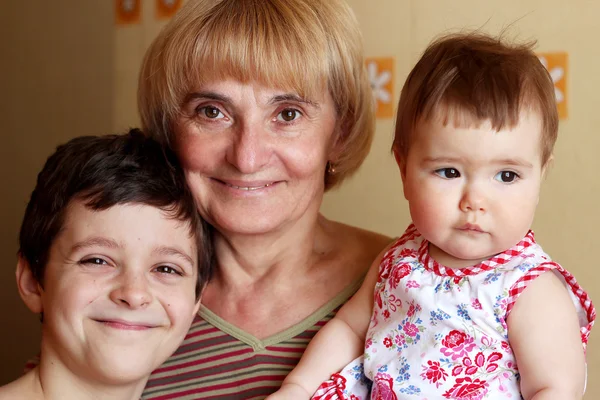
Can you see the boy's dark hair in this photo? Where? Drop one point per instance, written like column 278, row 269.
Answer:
column 104, row 171
column 473, row 77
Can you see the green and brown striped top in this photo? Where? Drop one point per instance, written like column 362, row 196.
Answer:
column 219, row 361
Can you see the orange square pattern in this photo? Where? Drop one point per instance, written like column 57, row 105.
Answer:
column 165, row 9
column 557, row 66
column 127, row 12
column 381, row 75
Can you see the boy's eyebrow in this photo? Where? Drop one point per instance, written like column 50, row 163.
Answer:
column 95, row 241
column 172, row 251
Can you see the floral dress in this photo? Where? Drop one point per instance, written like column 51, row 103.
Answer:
column 441, row 333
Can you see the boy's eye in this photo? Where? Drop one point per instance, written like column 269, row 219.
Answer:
column 94, row 261
column 506, row 176
column 447, row 173
column 165, row 269
column 288, row 115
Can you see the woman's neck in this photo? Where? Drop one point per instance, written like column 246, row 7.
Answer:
column 249, row 259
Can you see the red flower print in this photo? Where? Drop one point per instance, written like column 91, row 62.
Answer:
column 467, row 389
column 454, row 339
column 384, row 269
column 410, row 329
column 505, row 346
column 407, row 253
column 433, row 372
column 331, row 389
column 457, row 344
column 412, row 284
column 387, row 342
column 386, row 314
column 354, row 397
column 457, row 279
column 398, row 273
column 399, row 340
column 470, row 368
column 457, row 370
column 411, row 310
column 383, row 388
column 476, row 304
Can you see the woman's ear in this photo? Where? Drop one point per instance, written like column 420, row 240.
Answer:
column 29, row 288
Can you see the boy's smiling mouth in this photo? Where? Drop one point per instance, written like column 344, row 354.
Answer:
column 126, row 325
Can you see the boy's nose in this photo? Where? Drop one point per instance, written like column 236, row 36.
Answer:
column 251, row 148
column 132, row 292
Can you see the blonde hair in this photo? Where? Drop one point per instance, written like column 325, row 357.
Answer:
column 472, row 77
column 308, row 46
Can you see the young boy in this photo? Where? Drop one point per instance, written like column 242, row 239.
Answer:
column 465, row 305
column 113, row 256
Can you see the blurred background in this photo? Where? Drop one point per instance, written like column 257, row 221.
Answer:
column 69, row 68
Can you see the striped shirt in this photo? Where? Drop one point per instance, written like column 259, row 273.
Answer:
column 219, row 361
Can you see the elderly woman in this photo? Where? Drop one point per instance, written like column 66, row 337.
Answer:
column 268, row 106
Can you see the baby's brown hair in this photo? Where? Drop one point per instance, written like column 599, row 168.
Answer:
column 469, row 78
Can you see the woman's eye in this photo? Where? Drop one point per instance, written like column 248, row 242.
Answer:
column 210, row 112
column 447, row 173
column 165, row 269
column 289, row 115
column 506, row 176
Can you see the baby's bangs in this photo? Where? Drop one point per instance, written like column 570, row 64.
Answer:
column 249, row 43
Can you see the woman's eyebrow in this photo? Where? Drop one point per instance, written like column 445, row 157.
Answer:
column 207, row 95
column 292, row 97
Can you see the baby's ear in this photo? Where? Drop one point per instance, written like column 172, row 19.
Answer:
column 400, row 161
column 29, row 288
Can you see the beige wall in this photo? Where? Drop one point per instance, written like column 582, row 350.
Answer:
column 56, row 79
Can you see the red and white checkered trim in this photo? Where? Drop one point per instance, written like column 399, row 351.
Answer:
column 487, row 265
column 333, row 389
column 580, row 294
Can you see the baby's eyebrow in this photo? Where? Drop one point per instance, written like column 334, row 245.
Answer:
column 96, row 241
column 172, row 251
column 517, row 162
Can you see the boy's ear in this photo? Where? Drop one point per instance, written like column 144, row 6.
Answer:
column 29, row 288
column 196, row 308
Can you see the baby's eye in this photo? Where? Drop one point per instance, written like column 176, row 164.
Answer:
column 288, row 115
column 166, row 269
column 447, row 173
column 210, row 112
column 506, row 176
column 94, row 261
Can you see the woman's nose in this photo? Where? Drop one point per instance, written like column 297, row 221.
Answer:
column 250, row 150
column 132, row 291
